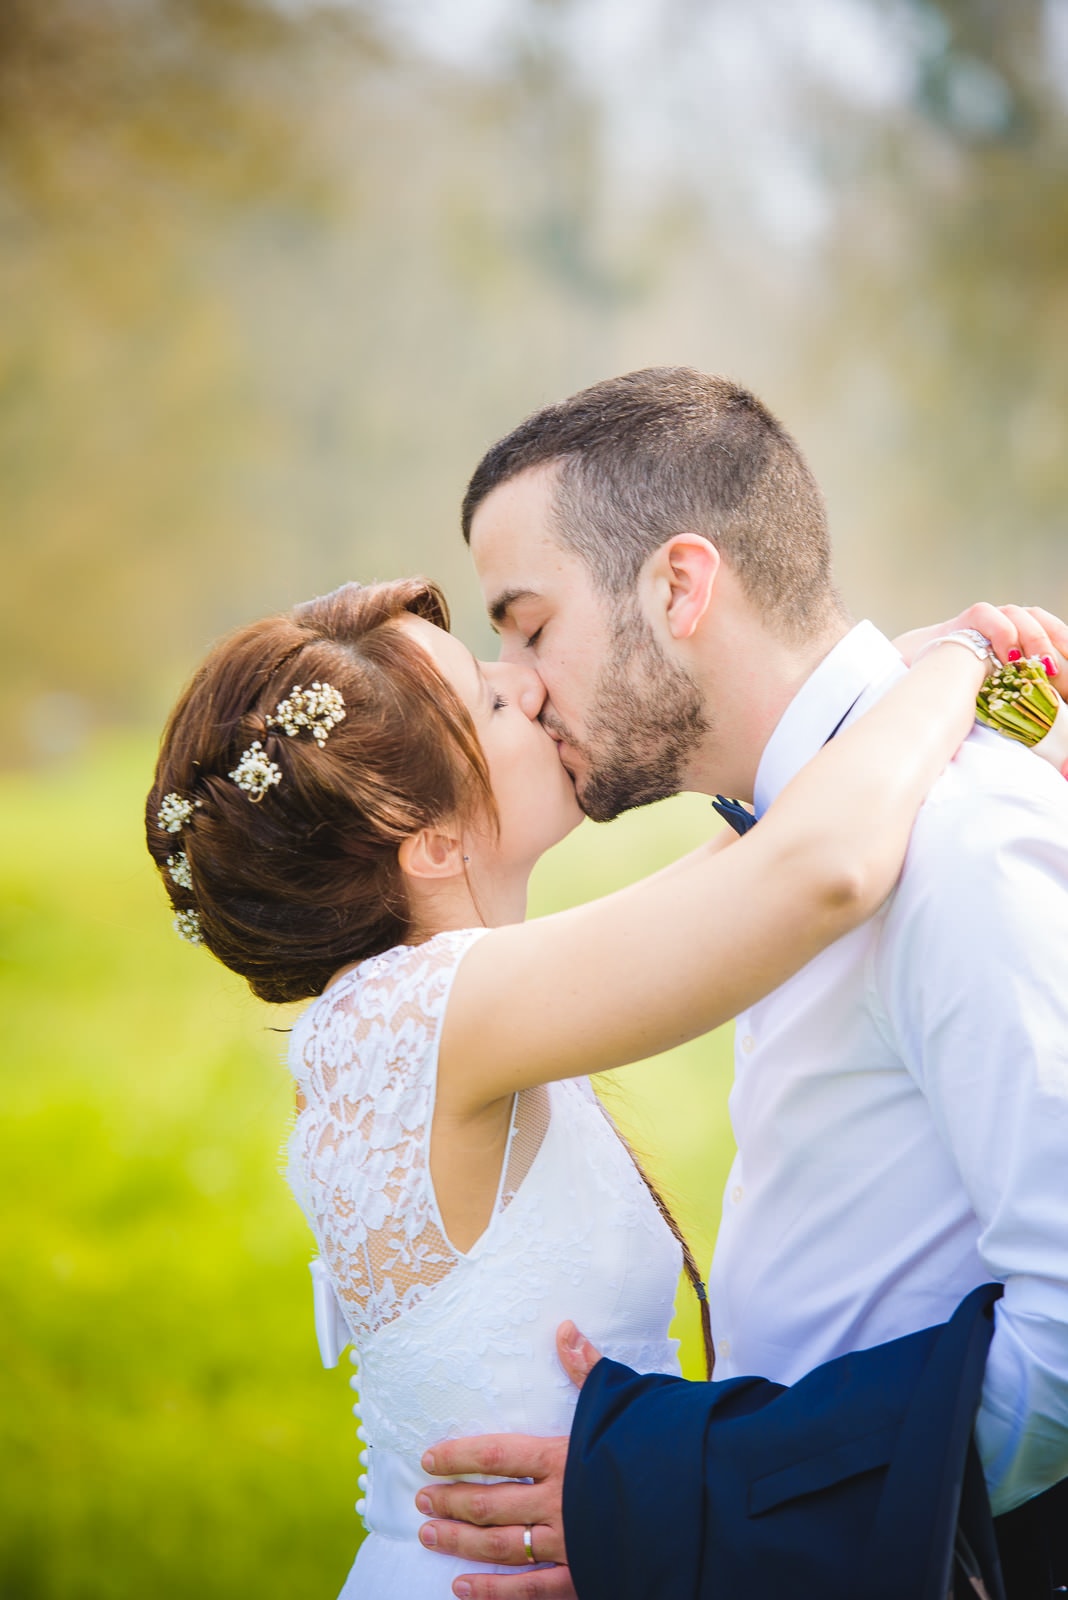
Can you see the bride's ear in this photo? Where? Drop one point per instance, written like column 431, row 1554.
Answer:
column 683, row 573
column 432, row 853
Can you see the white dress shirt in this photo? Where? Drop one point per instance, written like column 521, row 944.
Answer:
column 901, row 1104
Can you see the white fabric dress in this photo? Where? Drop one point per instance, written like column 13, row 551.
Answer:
column 451, row 1343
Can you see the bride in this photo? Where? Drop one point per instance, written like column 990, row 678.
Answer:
column 347, row 808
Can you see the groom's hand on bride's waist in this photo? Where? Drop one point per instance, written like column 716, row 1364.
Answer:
column 507, row 1524
column 488, row 1521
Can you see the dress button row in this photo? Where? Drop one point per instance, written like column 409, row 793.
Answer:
column 736, row 1194
column 724, row 1348
column 361, row 1433
column 748, row 1044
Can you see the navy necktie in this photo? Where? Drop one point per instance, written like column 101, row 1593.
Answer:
column 734, row 812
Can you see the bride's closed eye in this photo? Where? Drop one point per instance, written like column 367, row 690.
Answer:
column 499, row 702
column 533, row 638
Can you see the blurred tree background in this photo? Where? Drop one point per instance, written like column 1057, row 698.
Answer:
column 274, row 272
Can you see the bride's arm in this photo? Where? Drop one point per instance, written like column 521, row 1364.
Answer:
column 666, row 959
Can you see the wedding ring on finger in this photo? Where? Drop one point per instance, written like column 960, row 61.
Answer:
column 528, row 1544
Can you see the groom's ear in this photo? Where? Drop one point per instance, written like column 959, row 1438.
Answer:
column 684, row 572
column 431, row 853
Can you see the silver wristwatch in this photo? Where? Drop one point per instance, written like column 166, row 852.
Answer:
column 978, row 643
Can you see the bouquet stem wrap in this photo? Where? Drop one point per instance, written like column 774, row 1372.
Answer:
column 1018, row 700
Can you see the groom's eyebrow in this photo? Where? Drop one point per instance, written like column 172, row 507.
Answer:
column 504, row 602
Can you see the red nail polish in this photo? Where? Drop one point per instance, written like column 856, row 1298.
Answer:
column 1051, row 671
column 1015, row 655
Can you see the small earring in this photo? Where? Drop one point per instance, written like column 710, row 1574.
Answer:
column 466, row 859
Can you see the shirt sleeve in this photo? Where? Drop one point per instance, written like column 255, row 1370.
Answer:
column 972, row 970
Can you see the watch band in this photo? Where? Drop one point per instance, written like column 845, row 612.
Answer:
column 978, row 643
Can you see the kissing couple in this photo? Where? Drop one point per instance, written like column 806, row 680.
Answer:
column 347, row 808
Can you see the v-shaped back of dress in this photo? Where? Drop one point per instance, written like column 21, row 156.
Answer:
column 451, row 1343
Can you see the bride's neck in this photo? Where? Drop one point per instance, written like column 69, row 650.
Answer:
column 475, row 900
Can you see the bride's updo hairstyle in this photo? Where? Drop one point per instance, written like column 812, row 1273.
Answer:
column 289, row 883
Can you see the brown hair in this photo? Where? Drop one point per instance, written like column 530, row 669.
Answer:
column 670, row 450
column 288, row 891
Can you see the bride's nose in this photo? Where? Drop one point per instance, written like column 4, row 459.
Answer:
column 527, row 689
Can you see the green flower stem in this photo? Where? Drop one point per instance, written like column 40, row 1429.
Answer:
column 1019, row 701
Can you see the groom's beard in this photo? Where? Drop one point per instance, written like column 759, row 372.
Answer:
column 646, row 718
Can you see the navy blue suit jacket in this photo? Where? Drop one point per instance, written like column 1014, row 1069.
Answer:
column 860, row 1482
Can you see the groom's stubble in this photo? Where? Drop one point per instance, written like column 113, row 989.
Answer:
column 646, row 719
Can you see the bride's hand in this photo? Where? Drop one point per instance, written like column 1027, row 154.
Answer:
column 1027, row 629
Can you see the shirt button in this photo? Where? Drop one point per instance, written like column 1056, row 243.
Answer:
column 724, row 1349
column 748, row 1044
column 737, row 1193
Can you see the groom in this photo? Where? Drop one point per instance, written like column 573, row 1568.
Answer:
column 901, row 1105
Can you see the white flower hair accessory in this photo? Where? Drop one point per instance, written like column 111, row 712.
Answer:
column 187, row 927
column 256, row 772
column 178, row 867
column 175, row 811
column 319, row 709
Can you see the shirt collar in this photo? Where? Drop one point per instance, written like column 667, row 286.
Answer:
column 859, row 661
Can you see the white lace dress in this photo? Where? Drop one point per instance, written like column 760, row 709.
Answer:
column 451, row 1343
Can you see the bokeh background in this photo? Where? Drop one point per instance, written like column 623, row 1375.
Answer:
column 273, row 273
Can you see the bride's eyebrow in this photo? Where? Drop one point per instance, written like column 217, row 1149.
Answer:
column 484, row 689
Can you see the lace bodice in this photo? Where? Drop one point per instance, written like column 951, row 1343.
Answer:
column 449, row 1342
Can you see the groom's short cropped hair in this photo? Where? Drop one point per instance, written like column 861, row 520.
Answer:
column 670, row 450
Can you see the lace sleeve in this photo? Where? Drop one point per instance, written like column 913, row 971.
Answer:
column 365, row 1057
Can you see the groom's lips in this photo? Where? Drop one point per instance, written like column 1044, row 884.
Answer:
column 560, row 746
column 568, row 768
column 562, row 743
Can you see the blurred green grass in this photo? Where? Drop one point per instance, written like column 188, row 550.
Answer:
column 165, row 1426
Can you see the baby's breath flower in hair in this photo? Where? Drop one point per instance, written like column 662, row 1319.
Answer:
column 178, row 867
column 174, row 811
column 187, row 927
column 319, row 709
column 256, row 772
